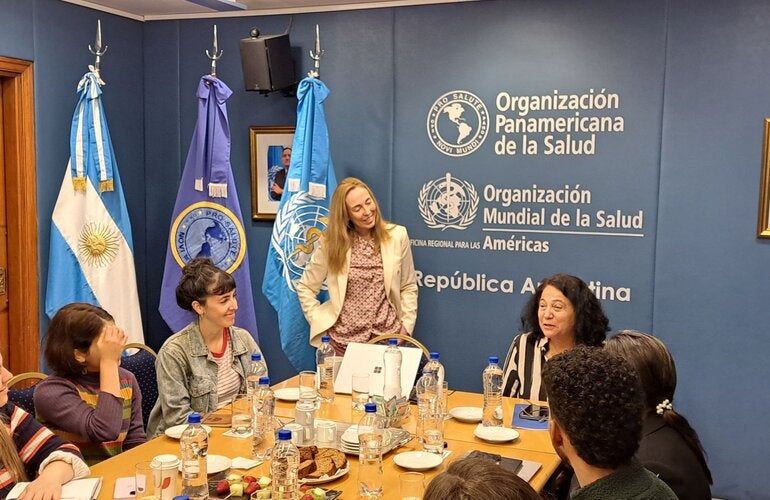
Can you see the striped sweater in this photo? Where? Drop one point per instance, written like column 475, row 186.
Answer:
column 100, row 424
column 33, row 441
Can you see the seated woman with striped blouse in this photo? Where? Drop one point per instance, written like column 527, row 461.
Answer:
column 562, row 314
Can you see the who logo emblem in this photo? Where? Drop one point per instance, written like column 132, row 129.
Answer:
column 447, row 202
column 458, row 123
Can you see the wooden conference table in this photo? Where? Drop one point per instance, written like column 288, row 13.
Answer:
column 531, row 445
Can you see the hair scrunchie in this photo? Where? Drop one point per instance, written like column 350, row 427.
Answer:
column 665, row 405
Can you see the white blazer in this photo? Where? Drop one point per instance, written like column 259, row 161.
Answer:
column 398, row 274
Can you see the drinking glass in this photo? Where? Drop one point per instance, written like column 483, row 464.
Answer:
column 144, row 483
column 360, row 390
column 412, row 485
column 433, row 431
column 307, row 385
column 241, row 415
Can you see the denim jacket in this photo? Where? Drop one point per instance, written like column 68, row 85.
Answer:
column 187, row 375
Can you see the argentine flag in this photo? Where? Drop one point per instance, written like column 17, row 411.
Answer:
column 92, row 254
column 302, row 215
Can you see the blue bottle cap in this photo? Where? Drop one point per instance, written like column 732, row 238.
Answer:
column 264, row 380
column 256, row 356
column 284, row 435
column 393, row 341
column 494, row 359
column 194, row 418
column 370, row 407
column 326, row 338
column 434, row 355
column 181, row 497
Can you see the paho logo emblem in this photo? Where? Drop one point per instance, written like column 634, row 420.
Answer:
column 458, row 123
column 448, row 203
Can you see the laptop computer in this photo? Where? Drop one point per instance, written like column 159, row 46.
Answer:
column 367, row 358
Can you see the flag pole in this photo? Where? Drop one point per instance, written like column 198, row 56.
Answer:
column 98, row 50
column 215, row 54
column 316, row 56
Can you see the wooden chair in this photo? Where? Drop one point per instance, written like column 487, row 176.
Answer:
column 24, row 396
column 142, row 364
column 405, row 338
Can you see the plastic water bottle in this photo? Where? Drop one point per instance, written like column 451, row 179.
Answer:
column 284, row 468
column 370, row 436
column 263, row 410
column 195, row 446
column 437, row 368
column 257, row 369
column 324, row 357
column 426, row 390
column 493, row 394
column 392, row 368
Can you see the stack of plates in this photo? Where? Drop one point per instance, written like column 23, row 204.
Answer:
column 349, row 440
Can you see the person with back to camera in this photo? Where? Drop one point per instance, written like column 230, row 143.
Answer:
column 563, row 313
column 89, row 400
column 476, row 478
column 203, row 367
column 596, row 403
column 30, row 451
column 367, row 264
column 670, row 447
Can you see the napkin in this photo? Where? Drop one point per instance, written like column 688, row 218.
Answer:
column 230, row 433
column 244, row 463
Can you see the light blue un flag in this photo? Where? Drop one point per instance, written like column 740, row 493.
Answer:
column 302, row 216
column 92, row 254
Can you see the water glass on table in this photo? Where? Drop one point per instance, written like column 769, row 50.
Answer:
column 241, row 415
column 412, row 485
column 433, row 431
column 307, row 385
column 359, row 390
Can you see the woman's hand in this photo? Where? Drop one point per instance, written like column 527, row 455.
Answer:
column 111, row 342
column 47, row 486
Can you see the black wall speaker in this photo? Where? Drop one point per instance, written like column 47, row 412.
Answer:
column 267, row 63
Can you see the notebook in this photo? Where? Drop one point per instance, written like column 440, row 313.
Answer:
column 367, row 358
column 79, row 489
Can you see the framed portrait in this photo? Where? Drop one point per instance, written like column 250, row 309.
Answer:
column 763, row 218
column 267, row 168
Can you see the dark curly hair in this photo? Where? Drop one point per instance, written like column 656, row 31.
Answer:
column 472, row 478
column 597, row 400
column 201, row 278
column 75, row 326
column 591, row 324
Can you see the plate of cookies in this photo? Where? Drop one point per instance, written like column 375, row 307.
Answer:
column 321, row 465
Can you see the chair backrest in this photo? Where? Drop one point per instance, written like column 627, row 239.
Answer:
column 142, row 365
column 405, row 338
column 24, row 396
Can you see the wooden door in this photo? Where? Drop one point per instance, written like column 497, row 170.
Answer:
column 4, row 340
column 20, row 305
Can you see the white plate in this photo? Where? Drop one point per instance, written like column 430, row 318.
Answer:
column 495, row 434
column 469, row 414
column 326, row 479
column 350, row 437
column 418, row 460
column 176, row 431
column 287, row 394
column 214, row 464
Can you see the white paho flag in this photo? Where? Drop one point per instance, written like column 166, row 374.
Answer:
column 92, row 253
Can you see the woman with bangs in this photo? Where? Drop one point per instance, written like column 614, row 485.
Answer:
column 367, row 264
column 203, row 367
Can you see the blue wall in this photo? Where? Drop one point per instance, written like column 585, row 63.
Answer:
column 693, row 84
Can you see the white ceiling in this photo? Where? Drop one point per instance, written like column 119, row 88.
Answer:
column 151, row 10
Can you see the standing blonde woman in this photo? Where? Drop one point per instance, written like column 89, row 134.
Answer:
column 367, row 264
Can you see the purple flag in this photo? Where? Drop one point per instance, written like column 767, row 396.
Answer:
column 207, row 219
